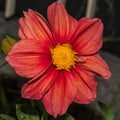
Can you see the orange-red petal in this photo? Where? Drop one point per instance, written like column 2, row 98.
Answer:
column 34, row 26
column 96, row 64
column 59, row 96
column 37, row 87
column 28, row 58
column 62, row 24
column 87, row 37
column 84, row 84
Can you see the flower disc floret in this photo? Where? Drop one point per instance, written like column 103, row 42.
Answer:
column 63, row 57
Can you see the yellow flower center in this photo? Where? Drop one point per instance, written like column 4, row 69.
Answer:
column 63, row 57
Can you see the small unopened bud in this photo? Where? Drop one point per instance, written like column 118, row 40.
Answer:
column 7, row 44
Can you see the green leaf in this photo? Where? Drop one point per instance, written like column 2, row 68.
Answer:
column 64, row 117
column 6, row 117
column 3, row 99
column 26, row 112
column 7, row 44
column 106, row 111
column 119, row 116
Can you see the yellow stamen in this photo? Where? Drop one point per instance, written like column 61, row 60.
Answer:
column 63, row 57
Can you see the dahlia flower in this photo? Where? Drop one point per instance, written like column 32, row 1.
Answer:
column 60, row 56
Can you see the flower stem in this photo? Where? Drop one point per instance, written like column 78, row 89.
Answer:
column 45, row 115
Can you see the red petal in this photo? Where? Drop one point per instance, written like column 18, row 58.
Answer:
column 88, row 36
column 60, row 96
column 37, row 87
column 28, row 59
column 62, row 24
column 34, row 26
column 85, row 85
column 96, row 64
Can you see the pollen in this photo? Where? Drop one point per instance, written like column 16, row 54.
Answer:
column 63, row 57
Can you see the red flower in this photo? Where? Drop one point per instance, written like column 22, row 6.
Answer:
column 60, row 56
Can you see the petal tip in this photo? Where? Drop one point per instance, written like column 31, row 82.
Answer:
column 25, row 13
column 25, row 92
column 108, row 76
column 30, row 10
